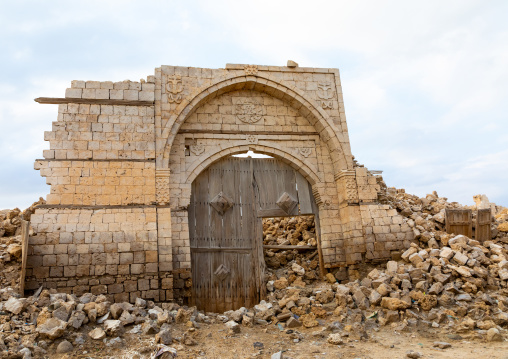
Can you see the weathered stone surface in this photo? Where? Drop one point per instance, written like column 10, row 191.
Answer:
column 298, row 269
column 293, row 323
column 233, row 327
column 13, row 305
column 309, row 320
column 335, row 339
column 52, row 328
column 493, row 335
column 113, row 328
column 394, row 303
column 97, row 334
column 64, row 347
column 164, row 337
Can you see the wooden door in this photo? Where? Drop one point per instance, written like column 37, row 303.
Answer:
column 483, row 221
column 459, row 221
column 222, row 237
column 228, row 200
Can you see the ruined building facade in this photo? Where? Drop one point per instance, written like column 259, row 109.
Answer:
column 123, row 158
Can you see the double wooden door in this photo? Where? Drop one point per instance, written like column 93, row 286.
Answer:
column 228, row 202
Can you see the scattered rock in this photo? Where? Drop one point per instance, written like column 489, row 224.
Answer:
column 493, row 335
column 64, row 347
column 97, row 334
column 113, row 328
column 335, row 339
column 52, row 328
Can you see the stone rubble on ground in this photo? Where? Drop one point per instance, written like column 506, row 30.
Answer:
column 444, row 282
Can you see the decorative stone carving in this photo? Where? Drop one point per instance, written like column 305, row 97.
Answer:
column 197, row 149
column 252, row 139
column 351, row 190
column 286, row 202
column 325, row 94
column 221, row 203
column 251, row 69
column 174, row 88
column 305, row 152
column 162, row 186
column 221, row 272
column 248, row 111
column 347, row 183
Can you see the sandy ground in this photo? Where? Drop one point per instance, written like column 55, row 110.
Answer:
column 214, row 343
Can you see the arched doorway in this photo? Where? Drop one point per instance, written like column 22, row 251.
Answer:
column 228, row 201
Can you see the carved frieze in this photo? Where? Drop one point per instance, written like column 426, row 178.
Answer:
column 250, row 69
column 174, row 88
column 248, row 110
column 325, row 94
column 162, row 186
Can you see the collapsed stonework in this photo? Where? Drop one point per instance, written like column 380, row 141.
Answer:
column 124, row 156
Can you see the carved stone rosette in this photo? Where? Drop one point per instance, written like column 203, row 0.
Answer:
column 346, row 185
column 252, row 139
column 162, row 186
column 248, row 110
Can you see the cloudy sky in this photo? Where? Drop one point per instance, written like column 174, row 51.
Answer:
column 425, row 82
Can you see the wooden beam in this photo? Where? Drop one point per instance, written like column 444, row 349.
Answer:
column 221, row 249
column 286, row 247
column 91, row 101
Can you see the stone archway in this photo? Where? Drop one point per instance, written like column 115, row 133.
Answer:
column 321, row 121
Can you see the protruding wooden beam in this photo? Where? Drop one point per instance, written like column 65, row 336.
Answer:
column 288, row 247
column 91, row 101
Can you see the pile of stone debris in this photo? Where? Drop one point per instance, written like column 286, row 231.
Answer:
column 291, row 231
column 444, row 283
column 10, row 243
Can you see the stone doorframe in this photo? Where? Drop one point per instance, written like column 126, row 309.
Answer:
column 329, row 189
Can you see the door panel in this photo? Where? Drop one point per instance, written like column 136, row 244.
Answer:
column 226, row 231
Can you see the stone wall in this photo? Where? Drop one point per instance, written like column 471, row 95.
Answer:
column 123, row 156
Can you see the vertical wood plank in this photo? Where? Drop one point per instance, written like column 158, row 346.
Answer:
column 483, row 222
column 25, row 226
column 315, row 210
column 304, row 194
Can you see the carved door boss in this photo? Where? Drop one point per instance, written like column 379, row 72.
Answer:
column 228, row 202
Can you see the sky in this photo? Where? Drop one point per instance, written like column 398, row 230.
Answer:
column 425, row 82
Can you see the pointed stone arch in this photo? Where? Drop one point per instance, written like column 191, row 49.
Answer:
column 329, row 133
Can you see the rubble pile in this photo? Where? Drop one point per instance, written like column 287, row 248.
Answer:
column 502, row 221
column 443, row 283
column 10, row 243
column 427, row 215
column 295, row 231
